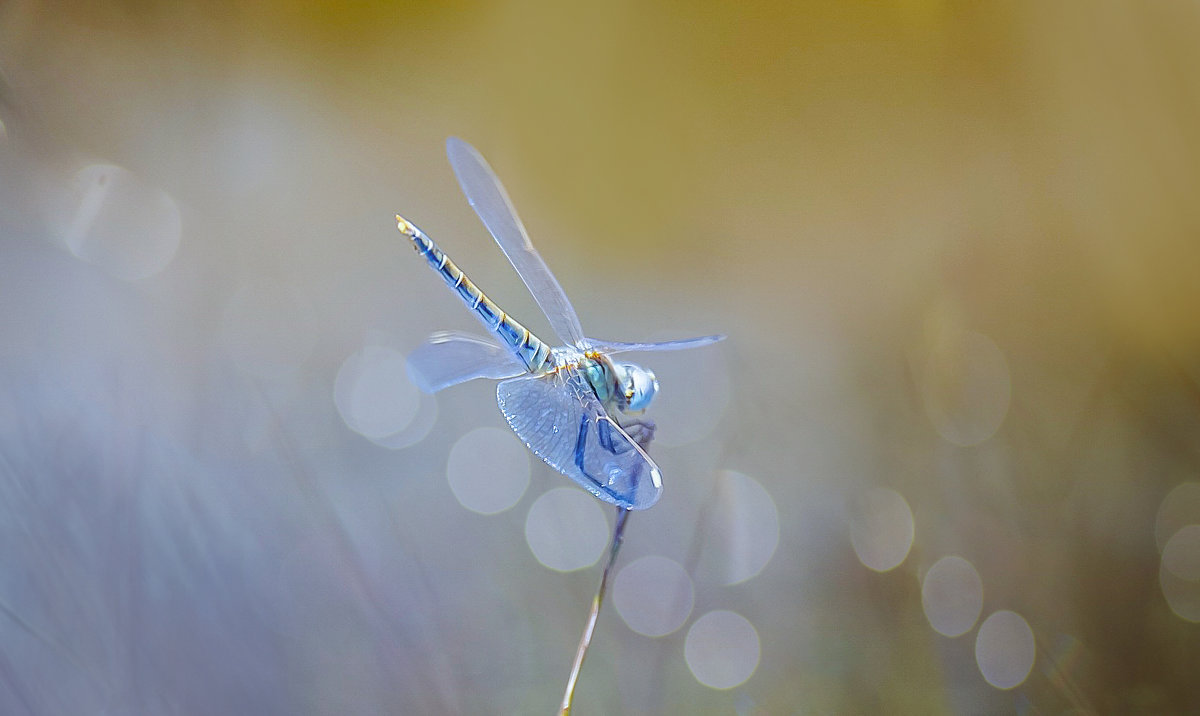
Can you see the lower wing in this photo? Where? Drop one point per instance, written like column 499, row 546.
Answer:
column 448, row 358
column 561, row 420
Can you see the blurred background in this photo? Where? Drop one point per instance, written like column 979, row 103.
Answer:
column 947, row 461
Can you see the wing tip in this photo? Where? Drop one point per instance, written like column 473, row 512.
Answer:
column 457, row 145
column 418, row 380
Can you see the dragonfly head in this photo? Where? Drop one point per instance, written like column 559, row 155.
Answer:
column 638, row 386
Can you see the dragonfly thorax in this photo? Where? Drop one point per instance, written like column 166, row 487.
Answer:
column 626, row 387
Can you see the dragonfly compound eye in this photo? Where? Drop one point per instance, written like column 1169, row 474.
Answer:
column 640, row 387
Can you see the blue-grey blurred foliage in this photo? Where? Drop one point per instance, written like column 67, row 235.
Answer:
column 954, row 247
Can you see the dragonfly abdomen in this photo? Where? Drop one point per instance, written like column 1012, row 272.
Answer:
column 530, row 349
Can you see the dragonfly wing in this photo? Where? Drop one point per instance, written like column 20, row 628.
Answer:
column 561, row 420
column 487, row 196
column 448, row 358
column 680, row 345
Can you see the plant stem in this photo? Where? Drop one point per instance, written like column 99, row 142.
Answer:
column 594, row 612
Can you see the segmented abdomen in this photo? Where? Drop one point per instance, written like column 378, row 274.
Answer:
column 531, row 350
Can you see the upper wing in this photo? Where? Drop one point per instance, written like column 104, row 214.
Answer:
column 487, row 196
column 562, row 422
column 448, row 358
column 684, row 344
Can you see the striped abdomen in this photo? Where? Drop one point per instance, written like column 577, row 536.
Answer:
column 531, row 350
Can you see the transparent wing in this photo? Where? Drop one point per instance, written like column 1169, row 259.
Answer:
column 448, row 358
column 562, row 422
column 487, row 196
column 680, row 345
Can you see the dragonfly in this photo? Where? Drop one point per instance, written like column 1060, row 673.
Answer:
column 573, row 405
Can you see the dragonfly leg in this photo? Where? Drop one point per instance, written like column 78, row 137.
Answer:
column 642, row 431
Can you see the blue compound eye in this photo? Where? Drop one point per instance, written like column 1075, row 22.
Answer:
column 640, row 387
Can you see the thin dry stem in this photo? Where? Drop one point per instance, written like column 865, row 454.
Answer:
column 594, row 612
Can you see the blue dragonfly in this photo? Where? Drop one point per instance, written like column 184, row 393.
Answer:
column 573, row 405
